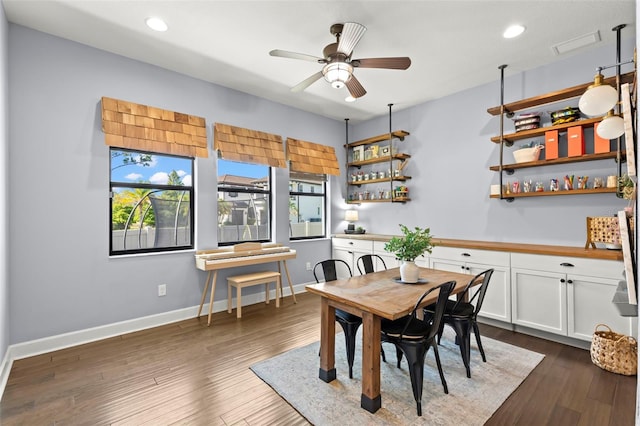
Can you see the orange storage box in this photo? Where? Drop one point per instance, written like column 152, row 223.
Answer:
column 551, row 144
column 600, row 145
column 575, row 143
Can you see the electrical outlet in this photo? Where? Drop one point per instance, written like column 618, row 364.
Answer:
column 308, row 266
column 162, row 290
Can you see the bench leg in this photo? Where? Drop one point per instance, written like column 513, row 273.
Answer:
column 229, row 298
column 239, row 302
column 266, row 293
column 278, row 284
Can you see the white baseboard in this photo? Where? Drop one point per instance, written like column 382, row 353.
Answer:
column 66, row 340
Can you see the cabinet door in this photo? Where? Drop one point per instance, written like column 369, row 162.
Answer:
column 356, row 255
column 589, row 304
column 347, row 256
column 539, row 300
column 497, row 301
column 389, row 258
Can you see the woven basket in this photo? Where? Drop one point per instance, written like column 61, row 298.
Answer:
column 614, row 352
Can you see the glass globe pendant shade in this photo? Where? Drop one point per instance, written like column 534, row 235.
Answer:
column 598, row 99
column 337, row 73
column 611, row 127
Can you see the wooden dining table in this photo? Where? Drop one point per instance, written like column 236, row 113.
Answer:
column 372, row 297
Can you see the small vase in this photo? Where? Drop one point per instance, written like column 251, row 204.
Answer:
column 409, row 271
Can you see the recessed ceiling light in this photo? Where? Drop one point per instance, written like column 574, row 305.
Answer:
column 156, row 24
column 349, row 99
column 513, row 31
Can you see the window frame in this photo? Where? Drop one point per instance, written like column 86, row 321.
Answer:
column 229, row 189
column 159, row 187
column 322, row 195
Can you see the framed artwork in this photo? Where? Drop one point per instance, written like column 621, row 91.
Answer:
column 385, row 150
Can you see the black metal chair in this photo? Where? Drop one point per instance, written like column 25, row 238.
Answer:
column 462, row 317
column 413, row 338
column 365, row 263
column 347, row 321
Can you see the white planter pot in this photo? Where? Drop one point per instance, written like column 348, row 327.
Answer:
column 409, row 271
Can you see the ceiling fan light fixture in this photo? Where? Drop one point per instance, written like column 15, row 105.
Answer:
column 349, row 99
column 337, row 74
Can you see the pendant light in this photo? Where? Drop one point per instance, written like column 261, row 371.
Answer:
column 611, row 127
column 600, row 98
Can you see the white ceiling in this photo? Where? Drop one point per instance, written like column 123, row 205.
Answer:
column 453, row 45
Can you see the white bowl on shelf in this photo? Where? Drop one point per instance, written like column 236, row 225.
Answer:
column 524, row 155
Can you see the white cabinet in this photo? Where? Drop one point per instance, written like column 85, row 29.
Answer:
column 566, row 295
column 390, row 260
column 349, row 250
column 497, row 302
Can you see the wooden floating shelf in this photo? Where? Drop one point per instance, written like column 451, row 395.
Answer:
column 557, row 96
column 379, row 160
column 554, row 193
column 563, row 160
column 397, row 134
column 363, row 182
column 540, row 131
column 388, row 200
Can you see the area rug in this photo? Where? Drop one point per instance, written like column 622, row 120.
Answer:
column 471, row 401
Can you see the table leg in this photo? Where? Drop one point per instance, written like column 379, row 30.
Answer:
column 204, row 293
column 327, row 341
column 370, row 399
column 213, row 291
column 286, row 270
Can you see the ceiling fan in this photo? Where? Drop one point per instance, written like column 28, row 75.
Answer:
column 338, row 68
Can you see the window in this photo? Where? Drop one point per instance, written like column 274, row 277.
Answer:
column 151, row 202
column 307, row 206
column 244, row 202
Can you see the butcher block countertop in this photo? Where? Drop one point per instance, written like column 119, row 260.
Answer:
column 550, row 250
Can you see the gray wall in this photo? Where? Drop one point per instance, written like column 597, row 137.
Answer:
column 61, row 276
column 4, row 187
column 451, row 154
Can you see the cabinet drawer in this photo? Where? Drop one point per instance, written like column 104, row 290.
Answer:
column 353, row 243
column 612, row 269
column 486, row 257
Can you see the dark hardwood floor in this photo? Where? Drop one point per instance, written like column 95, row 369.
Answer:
column 188, row 373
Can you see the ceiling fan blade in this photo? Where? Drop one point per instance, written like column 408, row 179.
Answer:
column 355, row 88
column 397, row 63
column 294, row 55
column 351, row 34
column 307, row 82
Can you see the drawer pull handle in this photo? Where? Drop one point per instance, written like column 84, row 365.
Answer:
column 466, row 254
column 566, row 264
column 562, row 280
column 351, row 242
column 570, row 281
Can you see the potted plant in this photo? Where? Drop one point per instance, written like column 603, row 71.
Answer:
column 412, row 244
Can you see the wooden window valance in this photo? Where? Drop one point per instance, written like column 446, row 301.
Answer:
column 248, row 146
column 309, row 157
column 144, row 128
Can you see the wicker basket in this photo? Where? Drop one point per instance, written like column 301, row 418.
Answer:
column 614, row 352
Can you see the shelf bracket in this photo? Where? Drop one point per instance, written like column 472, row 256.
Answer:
column 509, row 171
